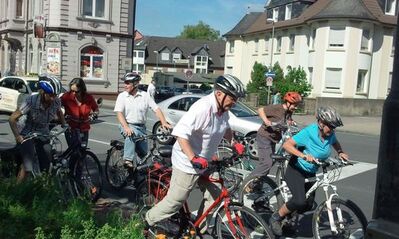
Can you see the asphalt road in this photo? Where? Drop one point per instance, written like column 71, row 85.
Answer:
column 357, row 182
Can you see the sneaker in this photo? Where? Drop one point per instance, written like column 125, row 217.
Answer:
column 168, row 226
column 275, row 225
column 128, row 164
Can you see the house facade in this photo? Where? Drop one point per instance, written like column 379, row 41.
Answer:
column 170, row 58
column 83, row 38
column 346, row 47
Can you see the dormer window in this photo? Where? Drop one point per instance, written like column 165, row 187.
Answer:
column 176, row 56
column 275, row 14
column 390, row 7
column 165, row 56
column 288, row 11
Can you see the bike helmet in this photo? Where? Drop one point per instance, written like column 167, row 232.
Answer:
column 131, row 77
column 230, row 85
column 293, row 97
column 50, row 84
column 329, row 116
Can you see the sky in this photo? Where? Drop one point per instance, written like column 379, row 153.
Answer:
column 167, row 18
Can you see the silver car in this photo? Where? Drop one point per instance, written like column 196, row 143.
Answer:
column 243, row 119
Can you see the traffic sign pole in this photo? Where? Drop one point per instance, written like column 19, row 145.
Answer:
column 269, row 83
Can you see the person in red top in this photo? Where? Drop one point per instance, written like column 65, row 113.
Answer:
column 80, row 109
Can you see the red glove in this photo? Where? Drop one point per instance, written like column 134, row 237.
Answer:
column 199, row 162
column 239, row 148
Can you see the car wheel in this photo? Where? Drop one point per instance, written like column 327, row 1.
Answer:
column 165, row 140
column 253, row 147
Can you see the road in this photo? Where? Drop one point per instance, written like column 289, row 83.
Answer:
column 357, row 182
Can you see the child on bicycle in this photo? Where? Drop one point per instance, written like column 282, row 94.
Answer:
column 316, row 140
column 198, row 133
column 267, row 136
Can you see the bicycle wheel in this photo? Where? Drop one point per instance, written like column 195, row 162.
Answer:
column 88, row 174
column 349, row 220
column 240, row 222
column 116, row 174
column 232, row 175
column 150, row 192
column 65, row 184
column 261, row 194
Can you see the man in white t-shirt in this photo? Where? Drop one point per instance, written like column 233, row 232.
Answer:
column 131, row 108
column 198, row 134
column 151, row 89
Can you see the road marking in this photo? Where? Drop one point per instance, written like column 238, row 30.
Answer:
column 99, row 141
column 114, row 124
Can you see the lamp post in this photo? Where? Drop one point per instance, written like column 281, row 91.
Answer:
column 268, row 20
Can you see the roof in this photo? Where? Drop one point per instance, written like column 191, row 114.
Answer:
column 368, row 10
column 189, row 47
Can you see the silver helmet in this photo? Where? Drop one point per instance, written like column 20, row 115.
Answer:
column 329, row 116
column 230, row 85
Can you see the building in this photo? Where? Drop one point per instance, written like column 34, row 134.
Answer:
column 346, row 47
column 169, row 59
column 87, row 38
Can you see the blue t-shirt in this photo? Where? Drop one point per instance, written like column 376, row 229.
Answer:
column 309, row 138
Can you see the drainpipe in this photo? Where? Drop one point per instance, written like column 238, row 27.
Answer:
column 26, row 36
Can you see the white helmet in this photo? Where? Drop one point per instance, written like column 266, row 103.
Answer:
column 230, row 85
column 329, row 116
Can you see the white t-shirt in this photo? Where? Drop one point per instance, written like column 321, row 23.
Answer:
column 204, row 130
column 135, row 107
column 151, row 90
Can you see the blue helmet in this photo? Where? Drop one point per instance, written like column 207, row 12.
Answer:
column 50, row 84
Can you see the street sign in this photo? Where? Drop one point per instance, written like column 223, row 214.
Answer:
column 269, row 81
column 270, row 74
column 188, row 73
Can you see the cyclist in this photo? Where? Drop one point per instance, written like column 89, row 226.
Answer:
column 316, row 140
column 267, row 136
column 131, row 108
column 198, row 134
column 39, row 110
column 80, row 108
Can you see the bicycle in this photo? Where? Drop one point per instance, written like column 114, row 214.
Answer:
column 334, row 216
column 118, row 176
column 230, row 219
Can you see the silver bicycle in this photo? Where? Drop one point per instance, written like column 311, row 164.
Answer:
column 335, row 217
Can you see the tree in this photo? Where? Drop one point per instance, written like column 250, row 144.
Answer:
column 200, row 31
column 294, row 80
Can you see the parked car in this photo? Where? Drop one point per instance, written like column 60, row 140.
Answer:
column 243, row 119
column 15, row 89
column 179, row 91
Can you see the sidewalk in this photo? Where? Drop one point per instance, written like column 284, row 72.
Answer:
column 353, row 124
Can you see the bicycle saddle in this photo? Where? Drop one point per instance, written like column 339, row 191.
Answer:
column 117, row 144
column 278, row 157
column 165, row 151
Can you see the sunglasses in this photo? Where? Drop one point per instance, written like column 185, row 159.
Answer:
column 332, row 128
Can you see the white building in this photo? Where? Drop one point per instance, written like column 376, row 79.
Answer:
column 83, row 38
column 346, row 47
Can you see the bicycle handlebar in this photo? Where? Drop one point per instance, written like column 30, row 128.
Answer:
column 53, row 133
column 150, row 136
column 331, row 161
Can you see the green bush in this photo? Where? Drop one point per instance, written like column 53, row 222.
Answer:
column 32, row 209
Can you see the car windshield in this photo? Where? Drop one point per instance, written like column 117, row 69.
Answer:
column 33, row 86
column 242, row 110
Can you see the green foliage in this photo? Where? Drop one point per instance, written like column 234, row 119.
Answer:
column 32, row 210
column 294, row 80
column 200, row 31
column 205, row 86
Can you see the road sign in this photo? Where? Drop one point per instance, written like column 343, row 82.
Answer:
column 269, row 81
column 189, row 73
column 270, row 74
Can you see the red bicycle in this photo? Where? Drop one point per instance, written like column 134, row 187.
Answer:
column 229, row 219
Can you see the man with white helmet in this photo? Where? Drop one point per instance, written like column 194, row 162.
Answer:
column 39, row 109
column 198, row 134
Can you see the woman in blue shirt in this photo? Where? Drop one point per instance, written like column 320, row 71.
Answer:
column 316, row 141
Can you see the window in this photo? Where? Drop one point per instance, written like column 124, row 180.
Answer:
column 312, row 39
column 94, row 8
column 139, row 68
column 31, row 59
column 288, row 11
column 333, row 78
column 278, row 47
column 91, row 62
column 337, row 36
column 176, row 56
column 183, row 104
column 201, row 64
column 365, row 40
column 362, row 84
column 275, row 14
column 267, row 38
column 390, row 7
column 18, row 10
column 229, row 70
column 256, row 45
column 393, row 43
column 40, row 58
column 310, row 78
column 165, row 56
column 389, row 83
column 292, row 43
column 231, row 48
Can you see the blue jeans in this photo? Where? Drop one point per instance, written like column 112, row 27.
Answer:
column 131, row 148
